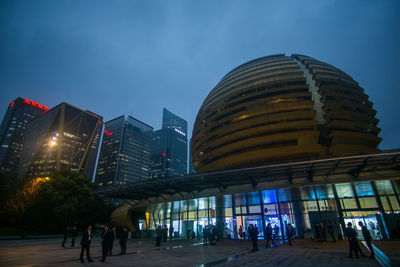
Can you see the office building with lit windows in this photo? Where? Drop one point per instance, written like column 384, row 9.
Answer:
column 125, row 152
column 280, row 140
column 65, row 137
column 169, row 147
column 12, row 130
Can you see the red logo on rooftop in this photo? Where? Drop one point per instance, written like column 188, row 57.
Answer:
column 32, row 103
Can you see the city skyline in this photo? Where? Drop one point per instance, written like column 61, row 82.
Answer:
column 147, row 56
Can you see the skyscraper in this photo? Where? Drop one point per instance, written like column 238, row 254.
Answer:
column 12, row 129
column 125, row 152
column 169, row 147
column 65, row 137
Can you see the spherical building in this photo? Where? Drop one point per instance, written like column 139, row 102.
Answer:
column 281, row 108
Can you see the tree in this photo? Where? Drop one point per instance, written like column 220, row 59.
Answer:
column 66, row 198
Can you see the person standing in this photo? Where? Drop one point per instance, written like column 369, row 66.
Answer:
column 352, row 237
column 330, row 231
column 122, row 240
column 113, row 235
column 368, row 239
column 171, row 232
column 108, row 238
column 276, row 232
column 268, row 235
column 165, row 233
column 289, row 233
column 241, row 233
column 85, row 244
column 74, row 234
column 66, row 233
column 317, row 232
column 253, row 234
column 323, row 234
column 205, row 235
column 158, row 236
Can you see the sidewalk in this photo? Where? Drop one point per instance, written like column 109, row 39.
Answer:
column 142, row 252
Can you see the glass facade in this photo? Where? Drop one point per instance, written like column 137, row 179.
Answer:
column 125, row 152
column 65, row 137
column 331, row 204
column 169, row 147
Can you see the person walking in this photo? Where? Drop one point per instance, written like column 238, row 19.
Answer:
column 66, row 233
column 74, row 234
column 253, row 234
column 352, row 237
column 368, row 239
column 158, row 236
column 268, row 235
column 85, row 244
column 330, row 231
column 122, row 240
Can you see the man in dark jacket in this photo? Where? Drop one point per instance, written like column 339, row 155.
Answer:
column 352, row 237
column 74, row 234
column 85, row 244
column 289, row 233
column 253, row 233
column 66, row 233
column 268, row 235
column 108, row 238
column 122, row 240
column 368, row 239
column 159, row 233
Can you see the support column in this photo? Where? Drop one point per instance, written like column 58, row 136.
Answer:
column 316, row 199
column 395, row 191
column 235, row 230
column 262, row 213
column 220, row 215
column 171, row 218
column 339, row 209
column 279, row 212
column 385, row 234
column 296, row 212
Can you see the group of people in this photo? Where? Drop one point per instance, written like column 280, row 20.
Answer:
column 72, row 232
column 351, row 234
column 108, row 234
column 320, row 231
column 210, row 235
column 162, row 234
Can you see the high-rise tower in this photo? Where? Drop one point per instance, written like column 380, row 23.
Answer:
column 12, row 130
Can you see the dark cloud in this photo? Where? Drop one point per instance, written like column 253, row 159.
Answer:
column 135, row 57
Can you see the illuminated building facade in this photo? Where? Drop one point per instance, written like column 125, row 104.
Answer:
column 280, row 139
column 125, row 152
column 282, row 108
column 64, row 137
column 169, row 147
column 12, row 130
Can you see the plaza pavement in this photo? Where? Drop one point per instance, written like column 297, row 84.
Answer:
column 142, row 252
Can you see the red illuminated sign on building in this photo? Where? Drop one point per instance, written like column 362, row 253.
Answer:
column 12, row 104
column 108, row 133
column 163, row 154
column 32, row 103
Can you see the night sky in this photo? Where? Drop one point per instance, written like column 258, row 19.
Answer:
column 136, row 57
